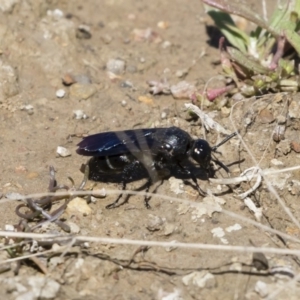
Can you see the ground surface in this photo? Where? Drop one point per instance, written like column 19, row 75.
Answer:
column 39, row 48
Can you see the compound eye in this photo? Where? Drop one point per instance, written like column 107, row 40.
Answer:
column 201, row 153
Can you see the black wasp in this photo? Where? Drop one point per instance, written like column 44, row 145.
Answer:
column 153, row 150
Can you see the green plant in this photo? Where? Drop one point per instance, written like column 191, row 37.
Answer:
column 258, row 63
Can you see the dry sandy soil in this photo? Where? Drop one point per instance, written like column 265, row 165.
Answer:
column 43, row 42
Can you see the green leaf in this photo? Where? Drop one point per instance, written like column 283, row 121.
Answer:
column 246, row 61
column 238, row 9
column 294, row 39
column 225, row 24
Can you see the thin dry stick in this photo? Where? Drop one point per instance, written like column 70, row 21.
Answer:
column 192, row 204
column 93, row 239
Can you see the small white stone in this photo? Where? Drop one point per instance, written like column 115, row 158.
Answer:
column 176, row 185
column 27, row 107
column 43, row 287
column 57, row 13
column 60, row 93
column 166, row 44
column 79, row 114
column 163, row 115
column 74, row 228
column 276, row 162
column 181, row 73
column 14, row 196
column 64, row 152
column 116, row 66
column 99, row 193
column 86, row 245
column 201, row 279
column 234, row 227
column 261, row 288
column 9, row 227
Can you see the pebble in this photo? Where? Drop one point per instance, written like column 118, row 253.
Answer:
column 8, row 5
column 294, row 110
column 8, row 77
column 163, row 115
column 86, row 245
column 43, row 287
column 55, row 261
column 62, row 151
column 83, row 32
column 233, row 227
column 259, row 261
column 281, row 119
column 20, row 169
column 106, row 39
column 13, row 196
column 74, row 228
column 225, row 111
column 262, row 289
column 295, row 146
column 40, row 288
column 202, row 279
column 79, row 114
column 208, row 206
column 82, row 91
column 181, row 73
column 284, row 147
column 32, row 175
column 131, row 69
column 176, row 185
column 68, row 79
column 60, row 93
column 166, row 44
column 183, row 90
column 116, row 66
column 238, row 97
column 278, row 180
column 9, row 227
column 99, row 193
column 294, row 187
column 57, row 13
column 266, row 116
column 276, row 162
column 162, row 24
column 28, row 108
column 123, row 103
column 154, row 223
column 82, row 78
column 78, row 207
column 169, row 228
column 126, row 84
column 146, row 100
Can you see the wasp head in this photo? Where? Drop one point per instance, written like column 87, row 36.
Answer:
column 201, row 153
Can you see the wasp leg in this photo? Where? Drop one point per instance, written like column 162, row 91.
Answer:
column 154, row 176
column 148, row 198
column 126, row 176
column 192, row 175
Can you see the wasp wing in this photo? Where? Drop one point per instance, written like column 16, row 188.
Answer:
column 120, row 142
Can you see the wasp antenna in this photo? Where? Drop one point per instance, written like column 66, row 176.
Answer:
column 224, row 141
column 220, row 164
